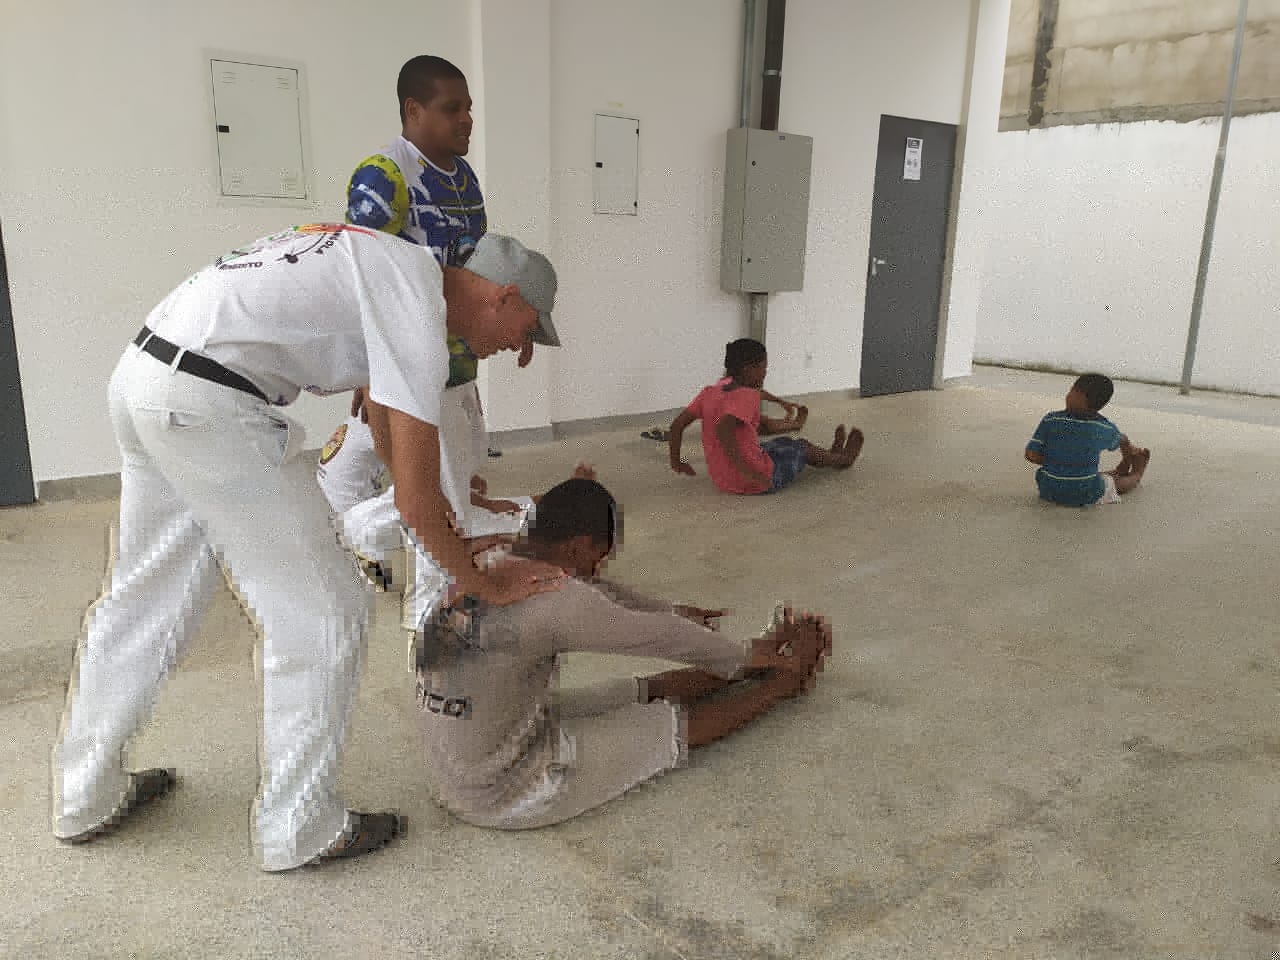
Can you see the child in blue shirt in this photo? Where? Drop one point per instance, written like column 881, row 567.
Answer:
column 1068, row 443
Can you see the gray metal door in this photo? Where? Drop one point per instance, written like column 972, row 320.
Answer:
column 16, row 484
column 910, row 212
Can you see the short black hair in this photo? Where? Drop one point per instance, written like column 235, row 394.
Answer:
column 1096, row 388
column 417, row 80
column 575, row 508
column 742, row 353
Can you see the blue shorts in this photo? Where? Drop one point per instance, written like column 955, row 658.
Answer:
column 788, row 456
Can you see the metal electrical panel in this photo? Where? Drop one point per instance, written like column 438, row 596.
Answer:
column 766, row 211
column 258, row 114
column 617, row 170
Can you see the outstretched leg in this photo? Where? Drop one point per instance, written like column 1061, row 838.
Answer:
column 712, row 717
column 844, row 449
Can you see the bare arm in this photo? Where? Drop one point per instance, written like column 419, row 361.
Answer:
column 675, row 440
column 789, row 408
column 591, row 620
column 768, row 425
column 766, row 395
column 1035, row 456
column 726, row 434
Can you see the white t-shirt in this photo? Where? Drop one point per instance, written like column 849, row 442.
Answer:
column 324, row 308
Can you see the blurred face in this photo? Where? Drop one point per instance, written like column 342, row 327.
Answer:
column 441, row 129
column 1077, row 400
column 586, row 557
column 753, row 374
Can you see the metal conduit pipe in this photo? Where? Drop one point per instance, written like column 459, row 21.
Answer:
column 1211, row 217
column 771, row 91
column 770, row 98
column 748, row 60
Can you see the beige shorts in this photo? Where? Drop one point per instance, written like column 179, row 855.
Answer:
column 1110, row 494
column 611, row 745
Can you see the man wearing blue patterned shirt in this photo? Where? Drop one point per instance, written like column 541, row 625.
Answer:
column 420, row 188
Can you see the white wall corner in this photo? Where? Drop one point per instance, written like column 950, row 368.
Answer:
column 978, row 131
column 512, row 90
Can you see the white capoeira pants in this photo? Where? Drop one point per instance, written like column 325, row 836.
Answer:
column 210, row 473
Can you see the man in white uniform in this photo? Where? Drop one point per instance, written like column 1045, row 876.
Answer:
column 210, row 474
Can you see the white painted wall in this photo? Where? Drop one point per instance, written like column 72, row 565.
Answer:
column 109, row 203
column 108, row 189
column 513, row 107
column 1100, row 233
column 644, row 319
column 640, row 307
column 844, row 64
column 978, row 146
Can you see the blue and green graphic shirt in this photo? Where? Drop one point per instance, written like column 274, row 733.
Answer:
column 399, row 191
column 1072, row 444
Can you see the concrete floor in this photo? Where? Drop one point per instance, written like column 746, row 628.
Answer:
column 1045, row 733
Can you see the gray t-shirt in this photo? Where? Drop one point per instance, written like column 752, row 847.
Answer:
column 488, row 689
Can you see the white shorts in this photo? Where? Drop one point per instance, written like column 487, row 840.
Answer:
column 1110, row 494
column 613, row 743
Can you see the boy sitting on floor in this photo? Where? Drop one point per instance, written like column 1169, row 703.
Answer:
column 506, row 749
column 730, row 412
column 1067, row 446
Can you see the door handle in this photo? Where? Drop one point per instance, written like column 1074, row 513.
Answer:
column 876, row 262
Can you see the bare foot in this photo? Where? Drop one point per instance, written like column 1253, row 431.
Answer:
column 1141, row 458
column 838, row 446
column 853, row 446
column 802, row 415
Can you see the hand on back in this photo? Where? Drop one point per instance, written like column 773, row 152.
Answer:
column 513, row 579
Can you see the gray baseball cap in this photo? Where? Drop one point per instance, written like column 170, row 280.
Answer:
column 504, row 260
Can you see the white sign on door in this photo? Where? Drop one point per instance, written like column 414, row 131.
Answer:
column 911, row 168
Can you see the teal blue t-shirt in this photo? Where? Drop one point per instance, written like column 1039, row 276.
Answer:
column 1072, row 445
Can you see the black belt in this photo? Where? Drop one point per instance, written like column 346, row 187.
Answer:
column 194, row 364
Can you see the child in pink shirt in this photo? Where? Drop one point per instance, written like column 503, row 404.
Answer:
column 730, row 412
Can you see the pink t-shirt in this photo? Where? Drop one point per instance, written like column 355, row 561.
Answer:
column 715, row 402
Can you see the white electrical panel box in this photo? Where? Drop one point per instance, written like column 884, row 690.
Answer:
column 766, row 211
column 617, row 170
column 258, row 116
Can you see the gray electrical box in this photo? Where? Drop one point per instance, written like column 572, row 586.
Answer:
column 766, row 210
